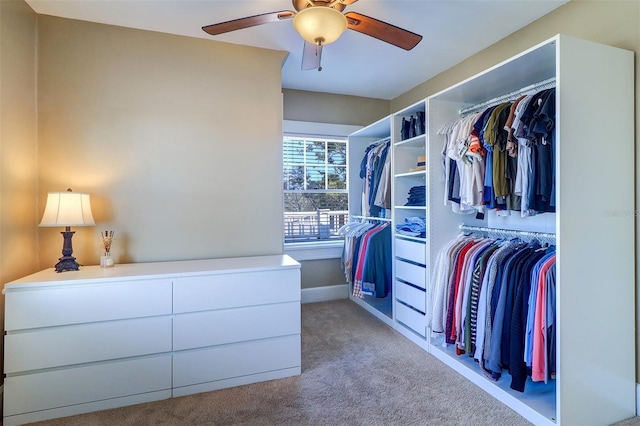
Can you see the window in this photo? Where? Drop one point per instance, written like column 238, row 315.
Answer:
column 316, row 198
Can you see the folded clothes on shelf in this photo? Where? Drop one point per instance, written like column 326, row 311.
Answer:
column 414, row 226
column 417, row 196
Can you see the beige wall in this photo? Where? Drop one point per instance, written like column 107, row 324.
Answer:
column 177, row 139
column 18, row 145
column 18, row 153
column 317, row 107
column 320, row 273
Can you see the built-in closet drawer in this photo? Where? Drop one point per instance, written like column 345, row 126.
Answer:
column 235, row 325
column 71, row 386
column 235, row 360
column 222, row 291
column 411, row 273
column 410, row 295
column 414, row 251
column 85, row 343
column 82, row 303
column 411, row 318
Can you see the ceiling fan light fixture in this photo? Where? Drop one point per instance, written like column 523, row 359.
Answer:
column 320, row 24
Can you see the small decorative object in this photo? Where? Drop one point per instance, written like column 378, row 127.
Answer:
column 421, row 164
column 106, row 261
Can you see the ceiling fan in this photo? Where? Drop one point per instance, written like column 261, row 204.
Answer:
column 321, row 22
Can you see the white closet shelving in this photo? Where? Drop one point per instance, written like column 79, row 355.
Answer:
column 410, row 272
column 358, row 142
column 593, row 224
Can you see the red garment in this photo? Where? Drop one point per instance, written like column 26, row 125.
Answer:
column 451, row 315
column 362, row 254
column 539, row 362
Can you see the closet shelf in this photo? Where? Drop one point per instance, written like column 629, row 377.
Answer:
column 541, row 85
column 411, row 207
column 419, row 173
column 416, row 141
column 379, row 219
column 409, row 237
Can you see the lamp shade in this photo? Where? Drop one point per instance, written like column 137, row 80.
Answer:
column 67, row 209
column 320, row 24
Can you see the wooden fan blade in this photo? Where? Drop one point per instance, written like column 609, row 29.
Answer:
column 382, row 31
column 250, row 21
column 311, row 56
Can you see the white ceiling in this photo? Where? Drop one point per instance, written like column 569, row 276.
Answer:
column 355, row 64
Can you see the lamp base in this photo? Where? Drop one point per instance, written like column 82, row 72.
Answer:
column 67, row 263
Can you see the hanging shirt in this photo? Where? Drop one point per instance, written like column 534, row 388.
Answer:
column 463, row 335
column 539, row 364
column 524, row 172
column 376, row 276
column 473, row 308
column 362, row 257
column 440, row 283
column 517, row 366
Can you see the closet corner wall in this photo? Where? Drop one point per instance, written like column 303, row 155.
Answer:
column 593, row 223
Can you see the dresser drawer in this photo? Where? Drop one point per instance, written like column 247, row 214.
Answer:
column 67, row 387
column 74, row 304
column 235, row 360
column 412, row 319
column 414, row 251
column 412, row 296
column 235, row 325
column 414, row 274
column 86, row 343
column 231, row 290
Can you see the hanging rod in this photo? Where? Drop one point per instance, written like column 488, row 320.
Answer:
column 380, row 141
column 544, row 84
column 510, row 232
column 381, row 219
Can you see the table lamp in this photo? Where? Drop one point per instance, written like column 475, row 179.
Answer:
column 67, row 209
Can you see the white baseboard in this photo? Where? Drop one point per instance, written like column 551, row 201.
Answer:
column 322, row 294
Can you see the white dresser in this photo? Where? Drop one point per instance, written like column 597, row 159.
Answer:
column 98, row 338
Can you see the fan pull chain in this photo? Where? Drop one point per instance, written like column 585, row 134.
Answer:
column 318, row 47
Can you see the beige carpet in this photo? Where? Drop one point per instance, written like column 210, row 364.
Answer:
column 355, row 371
